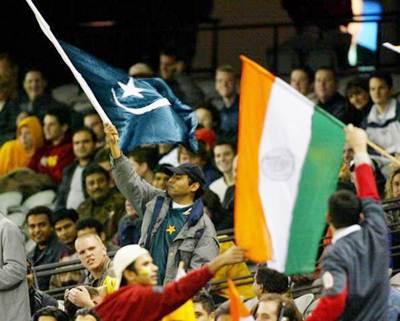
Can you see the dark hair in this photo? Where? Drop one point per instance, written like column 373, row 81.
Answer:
column 62, row 115
column 385, row 76
column 286, row 307
column 93, row 169
column 90, row 223
column 50, row 311
column 206, row 302
column 87, row 311
column 102, row 155
column 226, row 141
column 355, row 84
column 162, row 168
column 64, row 213
column 130, row 267
column 40, row 210
column 271, row 281
column 214, row 113
column 307, row 70
column 223, row 309
column 344, row 209
column 327, row 68
column 215, row 208
column 148, row 155
column 86, row 130
column 71, row 308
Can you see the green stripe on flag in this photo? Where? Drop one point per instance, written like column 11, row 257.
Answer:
column 317, row 183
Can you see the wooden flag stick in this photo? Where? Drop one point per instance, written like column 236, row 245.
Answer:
column 383, row 152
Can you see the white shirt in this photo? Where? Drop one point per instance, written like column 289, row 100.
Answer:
column 342, row 232
column 75, row 196
column 219, row 187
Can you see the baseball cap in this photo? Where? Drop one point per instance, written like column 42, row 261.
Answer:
column 193, row 171
column 124, row 257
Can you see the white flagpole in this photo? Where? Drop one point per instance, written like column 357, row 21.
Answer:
column 82, row 82
column 392, row 47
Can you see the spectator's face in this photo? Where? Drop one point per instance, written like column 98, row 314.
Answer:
column 25, row 137
column 97, row 186
column 178, row 185
column 146, row 270
column 52, row 128
column 94, row 123
column 91, row 252
column 34, row 84
column 200, row 313
column 184, row 156
column 65, row 230
column 325, row 85
column 47, row 318
column 223, row 156
column 379, row 91
column 225, row 84
column 204, row 117
column 267, row 311
column 83, row 145
column 396, row 185
column 86, row 317
column 299, row 80
column 39, row 228
column 167, row 66
column 130, row 210
column 160, row 180
column 359, row 98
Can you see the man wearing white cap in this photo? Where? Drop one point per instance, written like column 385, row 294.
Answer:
column 138, row 297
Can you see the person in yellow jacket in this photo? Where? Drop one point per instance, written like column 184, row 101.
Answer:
column 18, row 152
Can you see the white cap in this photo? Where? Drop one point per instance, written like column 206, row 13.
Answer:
column 124, row 257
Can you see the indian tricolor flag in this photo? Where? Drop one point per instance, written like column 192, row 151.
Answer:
column 290, row 153
column 238, row 310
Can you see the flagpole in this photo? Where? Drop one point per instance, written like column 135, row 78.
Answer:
column 383, row 152
column 85, row 87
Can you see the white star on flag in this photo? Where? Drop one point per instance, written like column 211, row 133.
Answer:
column 130, row 89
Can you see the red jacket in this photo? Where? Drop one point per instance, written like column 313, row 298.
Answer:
column 52, row 160
column 151, row 303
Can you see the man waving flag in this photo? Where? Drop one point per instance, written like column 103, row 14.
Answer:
column 145, row 111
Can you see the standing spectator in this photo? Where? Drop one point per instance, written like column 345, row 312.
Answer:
column 48, row 248
column 326, row 91
column 36, row 100
column 93, row 121
column 9, row 109
column 57, row 152
column 383, row 121
column 174, row 222
column 359, row 246
column 224, row 154
column 70, row 191
column 302, row 79
column 14, row 299
column 227, row 101
column 102, row 203
column 17, row 153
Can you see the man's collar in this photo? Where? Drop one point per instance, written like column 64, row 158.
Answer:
column 342, row 232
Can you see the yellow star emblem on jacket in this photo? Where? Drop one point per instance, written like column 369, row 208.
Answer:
column 171, row 229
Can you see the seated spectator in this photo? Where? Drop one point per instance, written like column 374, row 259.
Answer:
column 358, row 102
column 93, row 226
column 144, row 159
column 224, row 153
column 17, row 153
column 70, row 191
column 9, row 109
column 50, row 314
column 57, row 153
column 227, row 103
column 208, row 117
column 93, row 121
column 93, row 256
column 326, row 91
column 75, row 299
column 221, row 217
column 302, row 79
column 48, row 248
column 392, row 190
column 64, row 224
column 181, row 84
column 383, row 121
column 129, row 226
column 141, row 70
column 102, row 158
column 86, row 315
column 203, row 307
column 161, row 177
column 35, row 100
column 102, row 203
column 276, row 307
column 202, row 159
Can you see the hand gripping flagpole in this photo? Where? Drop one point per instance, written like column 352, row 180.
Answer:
column 82, row 82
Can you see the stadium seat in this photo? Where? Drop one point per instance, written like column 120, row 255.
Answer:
column 9, row 199
column 310, row 308
column 43, row 198
column 395, row 281
column 17, row 218
column 303, row 302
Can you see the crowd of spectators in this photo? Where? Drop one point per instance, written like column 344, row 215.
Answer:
column 168, row 199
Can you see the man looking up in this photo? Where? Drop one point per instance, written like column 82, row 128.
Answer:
column 175, row 227
column 359, row 247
